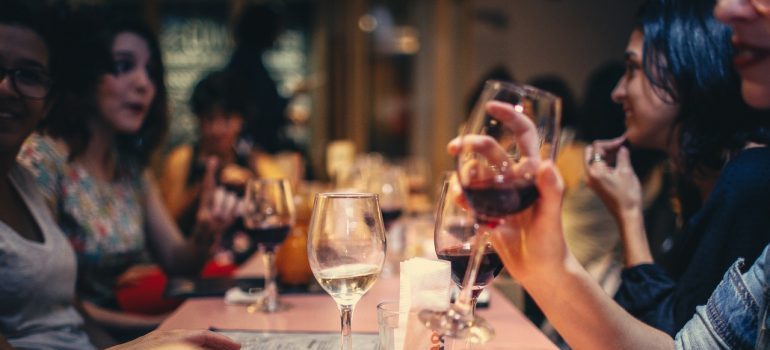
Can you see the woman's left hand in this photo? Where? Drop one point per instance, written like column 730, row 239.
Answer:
column 218, row 207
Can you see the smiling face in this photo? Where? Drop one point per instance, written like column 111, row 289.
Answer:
column 751, row 38
column 649, row 119
column 124, row 96
column 20, row 48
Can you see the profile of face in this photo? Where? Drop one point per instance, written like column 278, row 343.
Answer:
column 751, row 37
column 24, row 51
column 219, row 129
column 649, row 118
column 125, row 95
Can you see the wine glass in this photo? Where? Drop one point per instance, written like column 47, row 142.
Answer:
column 455, row 235
column 496, row 164
column 393, row 188
column 346, row 249
column 268, row 215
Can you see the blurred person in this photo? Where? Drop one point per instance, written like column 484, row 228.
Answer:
column 676, row 94
column 219, row 125
column 736, row 314
column 37, row 264
column 90, row 162
column 263, row 108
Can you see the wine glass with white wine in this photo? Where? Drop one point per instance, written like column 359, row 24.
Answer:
column 346, row 250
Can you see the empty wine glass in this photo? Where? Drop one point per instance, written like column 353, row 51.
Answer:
column 346, row 249
column 268, row 215
column 510, row 131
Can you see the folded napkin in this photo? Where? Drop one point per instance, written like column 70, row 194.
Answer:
column 236, row 296
column 425, row 284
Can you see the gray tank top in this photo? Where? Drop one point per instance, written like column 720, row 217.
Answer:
column 37, row 280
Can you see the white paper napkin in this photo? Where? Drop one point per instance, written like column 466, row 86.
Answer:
column 425, row 284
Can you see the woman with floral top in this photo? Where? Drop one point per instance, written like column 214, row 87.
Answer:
column 91, row 162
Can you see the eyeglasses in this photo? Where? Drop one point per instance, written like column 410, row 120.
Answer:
column 29, row 83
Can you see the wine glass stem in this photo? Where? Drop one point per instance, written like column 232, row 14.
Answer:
column 466, row 301
column 271, row 289
column 346, row 315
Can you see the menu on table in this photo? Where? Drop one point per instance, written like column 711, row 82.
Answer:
column 262, row 340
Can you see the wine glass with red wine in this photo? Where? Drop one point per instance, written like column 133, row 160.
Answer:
column 512, row 129
column 455, row 235
column 268, row 215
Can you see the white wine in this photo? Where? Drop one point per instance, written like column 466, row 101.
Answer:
column 348, row 283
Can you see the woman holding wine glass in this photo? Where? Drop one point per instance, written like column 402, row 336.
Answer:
column 735, row 316
column 346, row 249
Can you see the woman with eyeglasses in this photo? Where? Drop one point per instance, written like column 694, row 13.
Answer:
column 736, row 314
column 91, row 162
column 37, row 265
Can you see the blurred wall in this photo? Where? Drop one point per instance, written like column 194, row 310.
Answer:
column 533, row 37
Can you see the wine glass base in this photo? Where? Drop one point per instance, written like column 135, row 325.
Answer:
column 263, row 306
column 454, row 324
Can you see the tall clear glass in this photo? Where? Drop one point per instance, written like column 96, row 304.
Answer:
column 268, row 216
column 511, row 130
column 346, row 250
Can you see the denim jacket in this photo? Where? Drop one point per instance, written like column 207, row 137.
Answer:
column 735, row 316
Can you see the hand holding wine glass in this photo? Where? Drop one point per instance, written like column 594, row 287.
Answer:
column 512, row 130
column 346, row 249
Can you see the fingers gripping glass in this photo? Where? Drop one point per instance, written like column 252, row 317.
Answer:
column 512, row 129
column 762, row 6
column 29, row 83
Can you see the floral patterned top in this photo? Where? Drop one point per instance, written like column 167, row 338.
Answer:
column 104, row 220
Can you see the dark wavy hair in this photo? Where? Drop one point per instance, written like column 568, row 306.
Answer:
column 90, row 33
column 216, row 89
column 688, row 60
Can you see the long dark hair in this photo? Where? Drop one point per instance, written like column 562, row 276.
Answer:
column 90, row 34
column 687, row 59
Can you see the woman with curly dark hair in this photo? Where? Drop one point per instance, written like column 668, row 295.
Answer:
column 91, row 162
column 681, row 95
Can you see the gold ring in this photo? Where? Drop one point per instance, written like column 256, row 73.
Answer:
column 595, row 158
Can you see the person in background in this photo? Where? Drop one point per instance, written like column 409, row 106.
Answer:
column 90, row 161
column 256, row 93
column 219, row 123
column 735, row 315
column 677, row 93
column 37, row 264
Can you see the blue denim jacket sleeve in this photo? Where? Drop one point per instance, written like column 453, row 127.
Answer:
column 730, row 318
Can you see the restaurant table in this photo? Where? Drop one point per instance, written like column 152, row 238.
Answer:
column 318, row 313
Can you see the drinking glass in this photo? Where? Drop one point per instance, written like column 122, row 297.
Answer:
column 268, row 215
column 455, row 235
column 496, row 166
column 346, row 249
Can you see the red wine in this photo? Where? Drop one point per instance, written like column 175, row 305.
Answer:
column 268, row 236
column 459, row 257
column 492, row 202
column 389, row 216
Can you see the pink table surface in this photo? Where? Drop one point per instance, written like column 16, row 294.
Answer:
column 318, row 312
